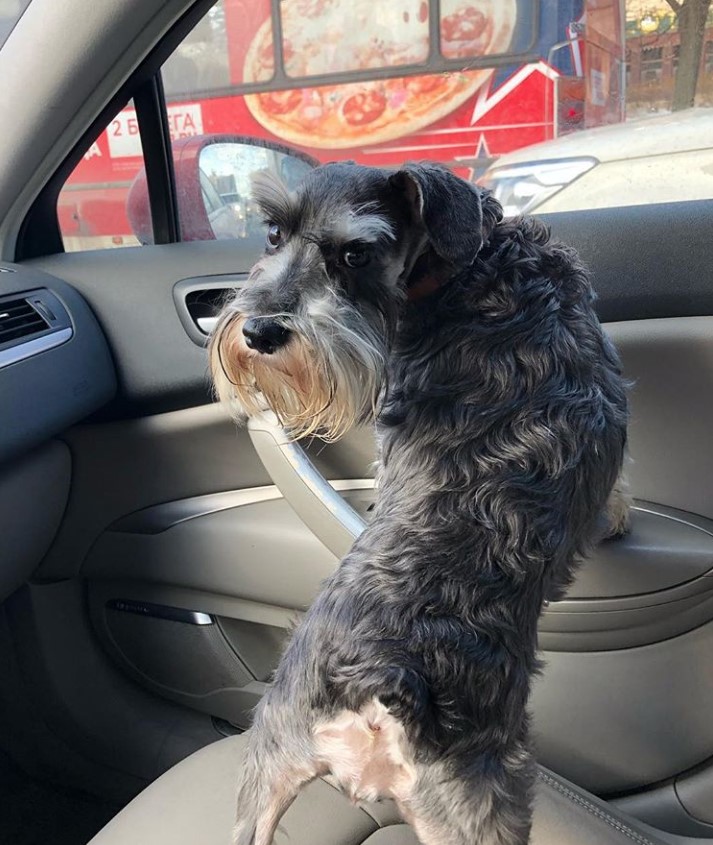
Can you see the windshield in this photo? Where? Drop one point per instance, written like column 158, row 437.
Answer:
column 10, row 13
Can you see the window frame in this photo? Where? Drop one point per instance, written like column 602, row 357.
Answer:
column 40, row 232
column 653, row 64
column 152, row 117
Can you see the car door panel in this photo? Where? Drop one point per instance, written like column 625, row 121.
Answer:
column 125, row 466
column 33, row 495
column 670, row 365
column 231, row 563
column 614, row 602
column 638, row 715
column 592, row 689
column 593, row 646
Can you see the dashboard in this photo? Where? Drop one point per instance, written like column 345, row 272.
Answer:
column 55, row 364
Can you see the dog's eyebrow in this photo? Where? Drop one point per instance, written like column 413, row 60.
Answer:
column 361, row 224
column 274, row 199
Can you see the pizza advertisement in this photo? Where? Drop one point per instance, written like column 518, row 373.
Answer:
column 375, row 81
column 325, row 37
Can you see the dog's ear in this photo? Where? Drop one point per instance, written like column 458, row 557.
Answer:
column 456, row 216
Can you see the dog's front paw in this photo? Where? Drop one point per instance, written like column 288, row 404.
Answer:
column 617, row 514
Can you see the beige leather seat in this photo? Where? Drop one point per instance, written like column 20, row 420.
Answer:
column 193, row 804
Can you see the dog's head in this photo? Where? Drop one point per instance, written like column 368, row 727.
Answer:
column 309, row 333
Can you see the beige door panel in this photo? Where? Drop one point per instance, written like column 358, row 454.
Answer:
column 670, row 363
column 123, row 467
column 211, row 535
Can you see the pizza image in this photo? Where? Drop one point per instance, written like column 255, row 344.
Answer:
column 339, row 36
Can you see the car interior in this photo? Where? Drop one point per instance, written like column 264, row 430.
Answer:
column 154, row 556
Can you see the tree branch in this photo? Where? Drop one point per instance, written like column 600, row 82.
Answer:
column 675, row 5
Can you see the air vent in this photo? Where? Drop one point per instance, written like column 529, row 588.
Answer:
column 19, row 319
column 31, row 322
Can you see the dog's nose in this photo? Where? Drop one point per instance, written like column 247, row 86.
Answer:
column 264, row 335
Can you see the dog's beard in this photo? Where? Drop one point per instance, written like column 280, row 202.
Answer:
column 327, row 378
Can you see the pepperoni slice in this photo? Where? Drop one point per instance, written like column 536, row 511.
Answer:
column 464, row 25
column 364, row 107
column 280, row 102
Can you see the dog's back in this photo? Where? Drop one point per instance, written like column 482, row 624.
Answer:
column 506, row 380
column 502, row 435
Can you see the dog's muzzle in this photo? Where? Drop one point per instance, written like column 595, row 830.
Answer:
column 264, row 335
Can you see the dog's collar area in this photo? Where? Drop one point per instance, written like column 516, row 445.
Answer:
column 427, row 276
column 423, row 288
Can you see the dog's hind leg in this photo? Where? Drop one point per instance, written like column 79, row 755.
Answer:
column 272, row 773
column 262, row 801
column 492, row 807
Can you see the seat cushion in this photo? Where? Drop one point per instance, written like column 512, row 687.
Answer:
column 194, row 804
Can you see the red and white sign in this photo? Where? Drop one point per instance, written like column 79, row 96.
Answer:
column 184, row 120
column 124, row 140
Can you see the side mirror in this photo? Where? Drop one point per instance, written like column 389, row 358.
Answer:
column 213, row 185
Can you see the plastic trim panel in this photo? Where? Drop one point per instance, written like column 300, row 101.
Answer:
column 46, row 393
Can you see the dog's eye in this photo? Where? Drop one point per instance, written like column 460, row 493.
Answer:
column 356, row 256
column 274, row 235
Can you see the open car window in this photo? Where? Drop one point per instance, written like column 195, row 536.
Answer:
column 553, row 104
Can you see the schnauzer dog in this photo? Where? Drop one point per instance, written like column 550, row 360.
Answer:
column 501, row 413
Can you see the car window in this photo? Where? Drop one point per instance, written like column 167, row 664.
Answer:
column 554, row 105
column 94, row 207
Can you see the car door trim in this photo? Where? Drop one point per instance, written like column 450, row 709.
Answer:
column 159, row 518
column 160, row 611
